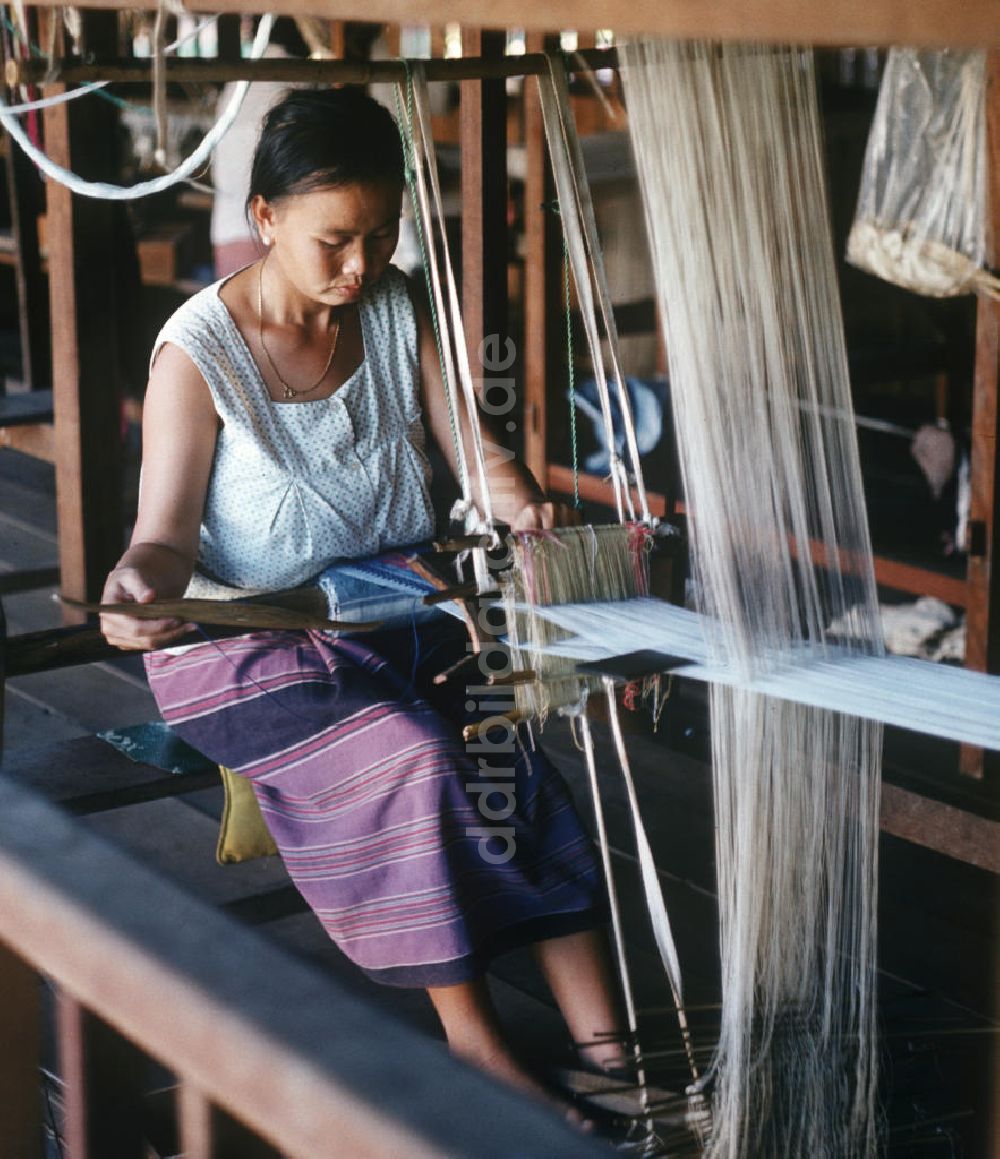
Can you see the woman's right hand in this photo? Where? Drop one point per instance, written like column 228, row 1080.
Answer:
column 127, row 585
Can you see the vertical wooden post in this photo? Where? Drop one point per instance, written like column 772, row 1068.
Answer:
column 20, row 1058
column 82, row 237
column 483, row 136
column 983, row 615
column 392, row 40
column 542, row 276
column 229, row 36
column 195, row 1122
column 102, row 1073
column 983, row 609
column 25, row 190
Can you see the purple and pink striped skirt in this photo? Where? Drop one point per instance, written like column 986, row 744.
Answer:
column 423, row 856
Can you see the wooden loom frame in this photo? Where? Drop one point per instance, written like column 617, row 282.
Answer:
column 84, row 416
column 87, row 473
column 89, row 515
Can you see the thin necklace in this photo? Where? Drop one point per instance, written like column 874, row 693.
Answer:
column 290, row 391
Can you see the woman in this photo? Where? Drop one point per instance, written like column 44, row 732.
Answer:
column 284, row 426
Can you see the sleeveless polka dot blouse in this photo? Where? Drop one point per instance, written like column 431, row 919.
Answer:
column 296, row 486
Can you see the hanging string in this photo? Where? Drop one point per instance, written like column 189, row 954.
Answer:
column 573, row 239
column 656, row 907
column 589, row 270
column 417, row 83
column 405, row 120
column 108, row 192
column 571, row 375
column 62, row 98
column 581, row 722
column 560, row 84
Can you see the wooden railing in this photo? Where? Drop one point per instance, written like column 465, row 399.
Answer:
column 142, row 969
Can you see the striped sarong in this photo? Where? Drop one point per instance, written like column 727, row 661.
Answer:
column 422, row 856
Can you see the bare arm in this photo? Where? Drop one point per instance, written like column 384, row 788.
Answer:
column 517, row 498
column 179, row 432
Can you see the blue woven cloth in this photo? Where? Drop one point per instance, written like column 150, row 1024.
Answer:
column 156, row 744
column 382, row 588
column 648, row 400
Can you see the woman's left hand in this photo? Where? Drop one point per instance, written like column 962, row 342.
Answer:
column 545, row 514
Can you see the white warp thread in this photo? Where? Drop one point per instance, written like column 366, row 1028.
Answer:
column 728, row 153
column 935, row 699
column 587, row 261
column 104, row 191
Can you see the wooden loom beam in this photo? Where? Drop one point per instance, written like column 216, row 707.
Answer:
column 871, row 22
column 473, row 66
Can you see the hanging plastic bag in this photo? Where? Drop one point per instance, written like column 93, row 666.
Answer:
column 921, row 216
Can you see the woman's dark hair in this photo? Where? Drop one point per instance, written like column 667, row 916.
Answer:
column 319, row 138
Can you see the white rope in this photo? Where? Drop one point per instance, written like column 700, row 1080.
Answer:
column 108, row 192
column 58, row 99
column 93, row 86
column 425, row 221
column 419, row 82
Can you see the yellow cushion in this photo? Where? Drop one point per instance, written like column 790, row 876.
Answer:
column 242, row 832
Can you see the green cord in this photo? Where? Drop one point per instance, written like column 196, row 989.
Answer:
column 406, row 133
column 16, row 33
column 572, row 377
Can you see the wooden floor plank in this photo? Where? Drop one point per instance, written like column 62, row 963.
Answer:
column 28, row 724
column 32, row 611
column 179, row 842
column 61, row 771
column 105, row 700
column 28, row 504
column 26, row 471
column 23, row 545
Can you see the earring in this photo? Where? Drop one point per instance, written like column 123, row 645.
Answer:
column 266, row 239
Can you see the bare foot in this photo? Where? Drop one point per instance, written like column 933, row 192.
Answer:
column 609, row 1056
column 502, row 1065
